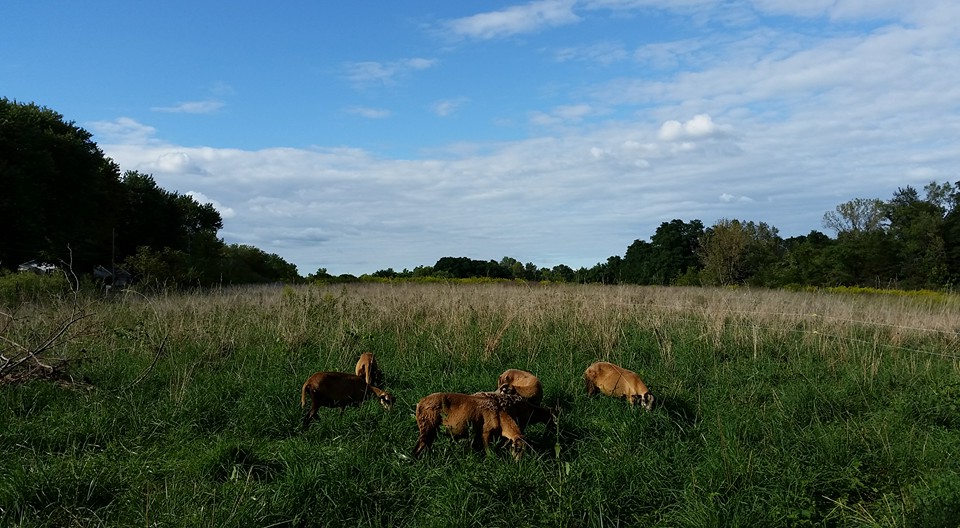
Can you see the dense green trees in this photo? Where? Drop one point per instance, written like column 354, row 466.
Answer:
column 463, row 267
column 671, row 252
column 63, row 201
column 58, row 189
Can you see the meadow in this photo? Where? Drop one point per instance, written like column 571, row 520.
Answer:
column 775, row 408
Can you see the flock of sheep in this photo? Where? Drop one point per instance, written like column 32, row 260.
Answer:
column 502, row 413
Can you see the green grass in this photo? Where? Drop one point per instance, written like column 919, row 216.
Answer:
column 769, row 416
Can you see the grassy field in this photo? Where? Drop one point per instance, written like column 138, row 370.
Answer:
column 776, row 409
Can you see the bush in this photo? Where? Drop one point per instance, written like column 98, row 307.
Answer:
column 20, row 288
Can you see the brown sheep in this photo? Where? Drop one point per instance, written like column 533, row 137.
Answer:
column 617, row 382
column 459, row 413
column 526, row 384
column 338, row 389
column 368, row 369
column 519, row 408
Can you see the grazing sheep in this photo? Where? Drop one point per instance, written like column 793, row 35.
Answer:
column 617, row 382
column 519, row 408
column 338, row 389
column 368, row 369
column 524, row 383
column 459, row 413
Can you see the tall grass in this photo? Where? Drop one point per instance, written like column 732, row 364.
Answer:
column 778, row 408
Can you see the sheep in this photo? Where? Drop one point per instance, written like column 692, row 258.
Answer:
column 524, row 383
column 618, row 382
column 338, row 389
column 459, row 413
column 368, row 369
column 519, row 408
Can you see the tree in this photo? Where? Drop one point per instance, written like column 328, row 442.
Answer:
column 674, row 250
column 735, row 252
column 637, row 265
column 807, row 261
column 671, row 252
column 159, row 219
column 463, row 267
column 57, row 189
column 247, row 264
column 388, row 273
column 559, row 273
column 163, row 268
column 531, row 272
column 514, row 266
column 320, row 275
column 860, row 215
column 951, row 234
column 917, row 229
column 605, row 272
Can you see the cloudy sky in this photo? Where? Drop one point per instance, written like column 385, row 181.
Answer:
column 357, row 136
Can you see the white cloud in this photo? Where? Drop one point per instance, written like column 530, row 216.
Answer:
column 176, row 162
column 373, row 72
column 572, row 112
column 123, row 130
column 526, row 18
column 668, row 55
column 603, row 53
column 448, row 107
column 839, row 9
column 701, row 126
column 225, row 212
column 671, row 130
column 563, row 114
column 369, row 113
column 727, row 197
column 347, row 201
column 191, row 107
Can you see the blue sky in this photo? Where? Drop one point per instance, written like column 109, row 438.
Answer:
column 357, row 136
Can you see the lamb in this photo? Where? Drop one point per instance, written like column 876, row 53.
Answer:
column 460, row 413
column 524, row 383
column 338, row 389
column 618, row 382
column 519, row 408
column 368, row 369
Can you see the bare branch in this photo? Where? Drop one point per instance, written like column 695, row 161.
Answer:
column 27, row 357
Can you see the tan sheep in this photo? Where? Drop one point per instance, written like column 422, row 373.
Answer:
column 519, row 408
column 524, row 383
column 338, row 389
column 618, row 382
column 461, row 413
column 368, row 369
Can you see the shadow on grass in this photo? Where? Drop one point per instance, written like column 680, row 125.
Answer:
column 239, row 462
column 681, row 411
column 572, row 435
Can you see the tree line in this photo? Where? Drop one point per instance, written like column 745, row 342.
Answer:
column 64, row 202
column 911, row 241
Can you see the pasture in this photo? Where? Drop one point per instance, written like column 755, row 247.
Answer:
column 773, row 408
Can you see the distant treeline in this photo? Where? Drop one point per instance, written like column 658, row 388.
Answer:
column 911, row 241
column 63, row 202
